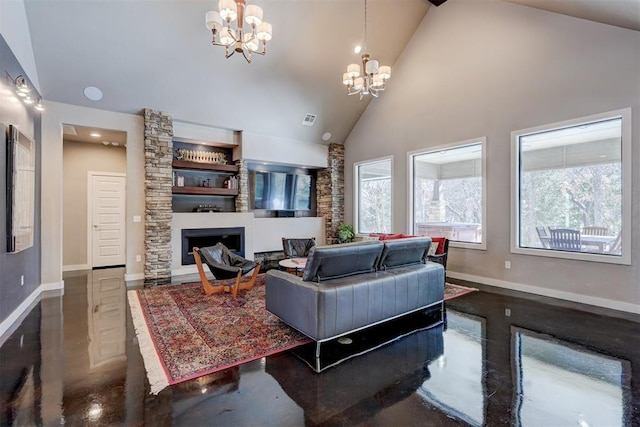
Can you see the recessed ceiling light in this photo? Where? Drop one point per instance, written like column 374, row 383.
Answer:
column 95, row 134
column 326, row 136
column 93, row 93
column 357, row 49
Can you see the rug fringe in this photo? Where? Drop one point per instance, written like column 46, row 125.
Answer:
column 155, row 372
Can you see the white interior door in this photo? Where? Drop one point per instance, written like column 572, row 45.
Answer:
column 107, row 220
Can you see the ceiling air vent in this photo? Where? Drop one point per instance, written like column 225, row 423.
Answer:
column 309, row 119
column 69, row 130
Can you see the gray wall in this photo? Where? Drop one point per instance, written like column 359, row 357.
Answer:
column 26, row 262
column 78, row 159
column 486, row 68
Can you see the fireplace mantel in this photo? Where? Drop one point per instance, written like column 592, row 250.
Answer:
column 191, row 220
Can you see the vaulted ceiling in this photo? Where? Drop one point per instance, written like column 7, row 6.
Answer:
column 158, row 54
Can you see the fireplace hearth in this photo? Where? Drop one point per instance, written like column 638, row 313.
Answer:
column 231, row 237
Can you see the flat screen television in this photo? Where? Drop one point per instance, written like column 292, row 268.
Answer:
column 281, row 191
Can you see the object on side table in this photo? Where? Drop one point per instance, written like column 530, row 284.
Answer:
column 224, row 264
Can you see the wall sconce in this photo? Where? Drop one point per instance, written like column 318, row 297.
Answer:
column 24, row 92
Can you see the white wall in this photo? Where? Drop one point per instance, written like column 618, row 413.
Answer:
column 262, row 148
column 55, row 115
column 485, row 68
column 79, row 159
column 15, row 30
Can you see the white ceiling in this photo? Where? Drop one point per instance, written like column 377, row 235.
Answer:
column 620, row 13
column 157, row 54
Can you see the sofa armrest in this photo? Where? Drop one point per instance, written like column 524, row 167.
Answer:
column 440, row 259
column 293, row 300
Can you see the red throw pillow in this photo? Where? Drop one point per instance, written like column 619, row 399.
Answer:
column 440, row 241
column 391, row 236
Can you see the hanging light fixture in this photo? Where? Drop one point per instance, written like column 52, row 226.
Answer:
column 374, row 76
column 236, row 39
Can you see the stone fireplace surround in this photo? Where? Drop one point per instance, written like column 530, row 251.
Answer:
column 163, row 241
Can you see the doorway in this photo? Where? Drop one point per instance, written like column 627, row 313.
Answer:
column 94, row 175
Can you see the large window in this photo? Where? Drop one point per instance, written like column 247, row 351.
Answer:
column 572, row 189
column 448, row 193
column 373, row 184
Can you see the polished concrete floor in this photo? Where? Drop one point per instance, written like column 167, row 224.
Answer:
column 497, row 360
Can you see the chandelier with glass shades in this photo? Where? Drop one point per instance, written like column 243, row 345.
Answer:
column 236, row 39
column 374, row 76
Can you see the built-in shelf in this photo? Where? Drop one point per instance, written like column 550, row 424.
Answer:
column 208, row 191
column 217, row 167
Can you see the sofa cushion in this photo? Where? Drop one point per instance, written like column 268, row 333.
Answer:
column 330, row 262
column 402, row 252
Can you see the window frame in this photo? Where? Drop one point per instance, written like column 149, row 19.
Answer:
column 625, row 258
column 410, row 188
column 356, row 189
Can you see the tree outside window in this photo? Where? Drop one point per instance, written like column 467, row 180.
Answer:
column 374, row 201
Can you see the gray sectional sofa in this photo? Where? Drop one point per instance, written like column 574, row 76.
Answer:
column 348, row 287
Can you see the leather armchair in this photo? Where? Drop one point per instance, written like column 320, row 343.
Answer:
column 224, row 265
column 441, row 253
column 297, row 248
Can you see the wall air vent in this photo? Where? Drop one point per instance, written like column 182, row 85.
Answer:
column 309, row 119
column 69, row 130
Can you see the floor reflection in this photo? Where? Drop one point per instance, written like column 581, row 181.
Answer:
column 497, row 360
column 568, row 383
column 456, row 385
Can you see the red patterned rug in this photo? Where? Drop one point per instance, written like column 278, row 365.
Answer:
column 454, row 291
column 184, row 334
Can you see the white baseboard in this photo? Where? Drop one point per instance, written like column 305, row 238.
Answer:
column 9, row 324
column 136, row 276
column 553, row 293
column 75, row 267
column 53, row 286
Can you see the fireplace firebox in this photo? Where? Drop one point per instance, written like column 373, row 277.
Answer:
column 231, row 237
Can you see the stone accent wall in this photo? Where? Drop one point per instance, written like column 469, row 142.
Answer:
column 242, row 200
column 330, row 192
column 158, row 155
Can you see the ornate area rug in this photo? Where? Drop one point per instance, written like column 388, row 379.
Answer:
column 454, row 291
column 184, row 334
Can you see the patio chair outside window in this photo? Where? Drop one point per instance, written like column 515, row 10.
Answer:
column 543, row 234
column 565, row 239
column 595, row 230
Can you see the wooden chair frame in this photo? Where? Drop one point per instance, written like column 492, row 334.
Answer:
column 210, row 289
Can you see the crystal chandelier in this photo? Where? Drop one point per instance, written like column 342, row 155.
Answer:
column 236, row 39
column 374, row 76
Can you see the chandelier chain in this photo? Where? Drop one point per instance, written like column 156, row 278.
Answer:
column 365, row 26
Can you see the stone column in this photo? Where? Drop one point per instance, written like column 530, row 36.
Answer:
column 158, row 155
column 330, row 192
column 242, row 200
